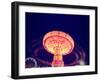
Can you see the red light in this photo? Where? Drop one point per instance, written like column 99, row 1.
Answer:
column 58, row 43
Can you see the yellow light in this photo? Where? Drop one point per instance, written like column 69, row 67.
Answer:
column 58, row 43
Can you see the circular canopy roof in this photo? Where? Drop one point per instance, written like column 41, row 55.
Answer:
column 58, row 42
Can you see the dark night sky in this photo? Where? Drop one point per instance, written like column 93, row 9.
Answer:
column 38, row 24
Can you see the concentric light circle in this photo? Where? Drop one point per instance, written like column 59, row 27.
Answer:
column 58, row 41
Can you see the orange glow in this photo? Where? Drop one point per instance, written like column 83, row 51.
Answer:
column 58, row 43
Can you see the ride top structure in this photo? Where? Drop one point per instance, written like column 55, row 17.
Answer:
column 58, row 43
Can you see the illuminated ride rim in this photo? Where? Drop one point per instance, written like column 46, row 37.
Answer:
column 58, row 42
column 30, row 62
